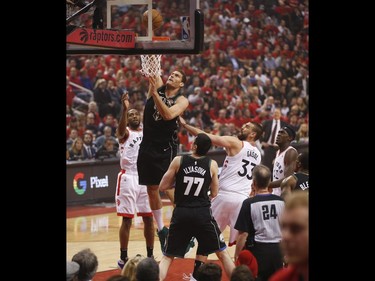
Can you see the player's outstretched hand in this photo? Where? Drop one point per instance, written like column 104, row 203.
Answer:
column 125, row 100
column 152, row 81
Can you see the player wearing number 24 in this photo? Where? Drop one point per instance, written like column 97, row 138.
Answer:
column 236, row 173
column 258, row 224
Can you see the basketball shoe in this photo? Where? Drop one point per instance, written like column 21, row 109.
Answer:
column 121, row 263
column 162, row 234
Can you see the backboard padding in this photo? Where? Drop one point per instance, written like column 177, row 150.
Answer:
column 173, row 17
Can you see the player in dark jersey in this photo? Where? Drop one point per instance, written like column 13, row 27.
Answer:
column 258, row 224
column 300, row 179
column 236, row 174
column 194, row 175
column 159, row 144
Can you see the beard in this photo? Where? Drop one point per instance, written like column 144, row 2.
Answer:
column 134, row 124
column 241, row 136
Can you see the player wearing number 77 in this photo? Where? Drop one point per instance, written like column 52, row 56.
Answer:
column 193, row 176
column 236, row 173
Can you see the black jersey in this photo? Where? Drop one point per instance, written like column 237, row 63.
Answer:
column 302, row 182
column 193, row 181
column 155, row 128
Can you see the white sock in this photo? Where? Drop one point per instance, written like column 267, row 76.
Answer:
column 158, row 216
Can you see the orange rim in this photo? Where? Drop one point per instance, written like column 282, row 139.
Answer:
column 161, row 38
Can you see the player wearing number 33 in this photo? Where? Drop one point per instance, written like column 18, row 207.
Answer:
column 236, row 173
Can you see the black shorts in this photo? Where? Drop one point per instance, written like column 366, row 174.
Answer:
column 193, row 222
column 153, row 161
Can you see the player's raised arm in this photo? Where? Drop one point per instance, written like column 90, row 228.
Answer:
column 157, row 83
column 168, row 113
column 121, row 131
column 228, row 142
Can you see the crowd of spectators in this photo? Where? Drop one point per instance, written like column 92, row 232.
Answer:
column 255, row 59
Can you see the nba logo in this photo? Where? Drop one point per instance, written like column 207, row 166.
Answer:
column 185, row 21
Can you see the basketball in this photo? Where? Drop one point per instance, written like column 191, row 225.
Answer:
column 157, row 19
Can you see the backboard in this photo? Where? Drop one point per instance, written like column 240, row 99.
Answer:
column 115, row 27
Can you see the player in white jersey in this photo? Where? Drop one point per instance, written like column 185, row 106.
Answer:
column 234, row 187
column 285, row 160
column 236, row 174
column 131, row 197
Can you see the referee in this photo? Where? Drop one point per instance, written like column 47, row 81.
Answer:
column 258, row 225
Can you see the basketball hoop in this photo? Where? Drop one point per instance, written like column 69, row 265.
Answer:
column 151, row 65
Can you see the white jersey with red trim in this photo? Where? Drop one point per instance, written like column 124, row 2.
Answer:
column 237, row 172
column 129, row 151
column 234, row 187
column 279, row 169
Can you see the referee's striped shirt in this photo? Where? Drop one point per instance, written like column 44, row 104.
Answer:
column 259, row 217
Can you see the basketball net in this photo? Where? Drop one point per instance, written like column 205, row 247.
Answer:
column 151, row 65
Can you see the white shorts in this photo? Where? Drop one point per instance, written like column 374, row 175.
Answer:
column 131, row 198
column 225, row 209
